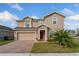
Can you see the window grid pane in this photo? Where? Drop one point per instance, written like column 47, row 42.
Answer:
column 27, row 24
column 54, row 20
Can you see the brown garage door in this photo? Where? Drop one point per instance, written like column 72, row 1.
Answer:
column 26, row 36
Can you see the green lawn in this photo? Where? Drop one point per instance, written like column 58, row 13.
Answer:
column 2, row 42
column 51, row 47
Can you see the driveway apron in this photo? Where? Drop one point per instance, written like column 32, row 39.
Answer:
column 19, row 46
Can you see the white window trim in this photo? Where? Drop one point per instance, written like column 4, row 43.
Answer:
column 30, row 25
column 54, row 20
column 25, row 24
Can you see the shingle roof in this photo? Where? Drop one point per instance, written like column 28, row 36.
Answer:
column 39, row 19
column 25, row 28
column 54, row 13
column 44, row 26
column 19, row 20
column 28, row 17
column 4, row 27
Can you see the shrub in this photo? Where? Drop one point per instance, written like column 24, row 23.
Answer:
column 63, row 38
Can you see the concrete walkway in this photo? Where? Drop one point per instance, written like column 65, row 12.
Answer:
column 39, row 54
column 18, row 46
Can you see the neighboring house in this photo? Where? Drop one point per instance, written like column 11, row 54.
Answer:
column 77, row 31
column 34, row 29
column 6, row 32
column 72, row 33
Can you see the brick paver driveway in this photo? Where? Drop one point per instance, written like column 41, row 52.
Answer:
column 19, row 46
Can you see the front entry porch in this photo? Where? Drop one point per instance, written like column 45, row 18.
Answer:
column 42, row 33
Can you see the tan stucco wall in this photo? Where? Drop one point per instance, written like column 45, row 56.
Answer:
column 36, row 23
column 31, row 22
column 59, row 25
column 20, row 24
column 47, row 22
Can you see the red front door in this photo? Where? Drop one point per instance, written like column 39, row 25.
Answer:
column 42, row 34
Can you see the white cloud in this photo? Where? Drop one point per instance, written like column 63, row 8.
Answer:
column 35, row 17
column 67, row 11
column 73, row 22
column 16, row 6
column 71, row 19
column 6, row 17
column 74, row 17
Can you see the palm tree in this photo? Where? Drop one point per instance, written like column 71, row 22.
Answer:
column 63, row 38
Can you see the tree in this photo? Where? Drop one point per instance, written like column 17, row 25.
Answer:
column 63, row 38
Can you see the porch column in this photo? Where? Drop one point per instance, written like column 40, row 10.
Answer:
column 46, row 37
column 38, row 34
column 15, row 35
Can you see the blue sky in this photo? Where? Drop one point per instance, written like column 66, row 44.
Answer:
column 9, row 13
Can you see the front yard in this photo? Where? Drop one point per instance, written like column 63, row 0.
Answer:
column 52, row 47
column 2, row 42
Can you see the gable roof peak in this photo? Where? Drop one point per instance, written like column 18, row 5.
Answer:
column 54, row 13
column 26, row 17
column 43, row 25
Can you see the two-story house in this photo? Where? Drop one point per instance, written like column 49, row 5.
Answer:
column 35, row 29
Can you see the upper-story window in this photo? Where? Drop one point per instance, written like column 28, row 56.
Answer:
column 54, row 20
column 41, row 22
column 27, row 24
